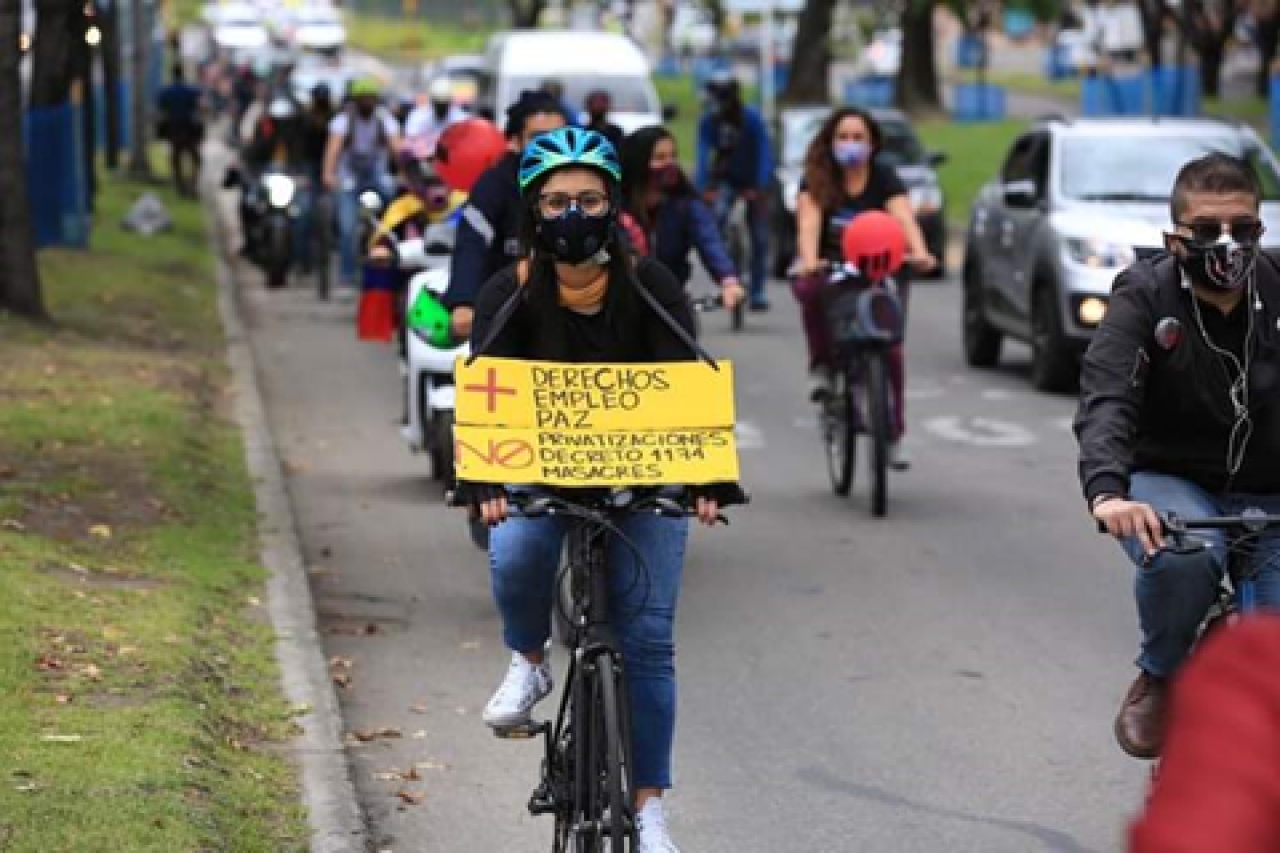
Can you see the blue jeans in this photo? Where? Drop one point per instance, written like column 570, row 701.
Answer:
column 758, row 226
column 1175, row 591
column 524, row 557
column 348, row 210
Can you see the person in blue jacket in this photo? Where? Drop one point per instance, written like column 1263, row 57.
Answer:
column 735, row 161
column 663, row 215
column 488, row 232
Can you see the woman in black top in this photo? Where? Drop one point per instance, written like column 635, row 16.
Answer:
column 841, row 180
column 577, row 295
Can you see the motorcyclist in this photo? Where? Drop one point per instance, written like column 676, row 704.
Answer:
column 735, row 162
column 275, row 142
column 427, row 122
column 363, row 138
column 1180, row 412
column 664, row 216
column 488, row 233
column 315, row 137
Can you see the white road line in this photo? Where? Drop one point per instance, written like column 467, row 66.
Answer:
column 980, row 432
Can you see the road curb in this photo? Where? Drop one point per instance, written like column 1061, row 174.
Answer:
column 333, row 811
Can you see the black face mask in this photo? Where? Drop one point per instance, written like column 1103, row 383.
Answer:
column 574, row 238
column 1223, row 266
column 364, row 110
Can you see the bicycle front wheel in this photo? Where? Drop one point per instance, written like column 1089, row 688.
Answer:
column 878, row 426
column 615, row 811
column 322, row 228
column 838, row 433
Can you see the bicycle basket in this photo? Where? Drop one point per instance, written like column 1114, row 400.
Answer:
column 862, row 316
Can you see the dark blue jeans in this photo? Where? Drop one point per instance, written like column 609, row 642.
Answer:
column 524, row 557
column 758, row 227
column 1174, row 591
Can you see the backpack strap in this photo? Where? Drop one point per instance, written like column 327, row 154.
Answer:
column 674, row 324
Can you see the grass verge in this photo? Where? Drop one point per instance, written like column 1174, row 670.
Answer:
column 974, row 154
column 139, row 699
column 398, row 40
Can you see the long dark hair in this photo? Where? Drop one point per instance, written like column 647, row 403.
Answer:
column 541, row 290
column 823, row 176
column 636, row 154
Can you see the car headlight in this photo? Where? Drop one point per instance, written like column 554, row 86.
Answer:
column 280, row 190
column 1090, row 310
column 926, row 198
column 1098, row 254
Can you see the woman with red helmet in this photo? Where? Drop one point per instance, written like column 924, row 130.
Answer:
column 842, row 180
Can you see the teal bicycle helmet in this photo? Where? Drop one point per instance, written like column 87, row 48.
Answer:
column 568, row 146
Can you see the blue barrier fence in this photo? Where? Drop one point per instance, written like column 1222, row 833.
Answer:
column 978, row 102
column 970, row 51
column 56, row 181
column 870, row 92
column 1275, row 111
column 1166, row 91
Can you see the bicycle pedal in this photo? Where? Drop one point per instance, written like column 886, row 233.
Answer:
column 521, row 731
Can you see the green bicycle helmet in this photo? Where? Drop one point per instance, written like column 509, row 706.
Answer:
column 568, row 146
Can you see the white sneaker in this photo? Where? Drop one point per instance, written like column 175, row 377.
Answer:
column 526, row 685
column 651, row 826
column 820, row 383
column 899, row 456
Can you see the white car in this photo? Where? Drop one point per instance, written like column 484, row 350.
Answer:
column 237, row 26
column 318, row 28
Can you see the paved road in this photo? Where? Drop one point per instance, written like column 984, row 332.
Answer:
column 942, row 680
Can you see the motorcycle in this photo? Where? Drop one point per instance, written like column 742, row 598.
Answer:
column 278, row 216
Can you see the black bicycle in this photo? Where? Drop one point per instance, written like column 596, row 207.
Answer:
column 866, row 319
column 323, row 240
column 586, row 771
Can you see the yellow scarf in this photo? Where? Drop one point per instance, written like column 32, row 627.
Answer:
column 585, row 298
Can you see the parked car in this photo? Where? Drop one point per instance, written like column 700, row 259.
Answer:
column 901, row 149
column 581, row 62
column 1074, row 203
column 238, row 26
column 318, row 28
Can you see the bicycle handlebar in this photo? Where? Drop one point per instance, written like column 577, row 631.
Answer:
column 1249, row 521
column 666, row 503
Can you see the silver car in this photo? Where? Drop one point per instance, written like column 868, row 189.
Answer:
column 1075, row 203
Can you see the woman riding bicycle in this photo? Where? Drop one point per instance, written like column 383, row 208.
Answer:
column 577, row 295
column 664, row 216
column 841, row 180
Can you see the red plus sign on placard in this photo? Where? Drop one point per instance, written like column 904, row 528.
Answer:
column 491, row 390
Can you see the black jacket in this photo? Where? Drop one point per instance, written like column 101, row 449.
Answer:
column 1166, row 408
column 487, row 238
column 649, row 337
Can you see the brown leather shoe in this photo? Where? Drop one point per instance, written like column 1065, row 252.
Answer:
column 1140, row 723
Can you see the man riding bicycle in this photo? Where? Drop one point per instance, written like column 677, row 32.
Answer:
column 1180, row 412
column 363, row 138
column 487, row 237
column 735, row 163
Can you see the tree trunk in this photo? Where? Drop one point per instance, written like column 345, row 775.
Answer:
column 82, row 71
column 1153, row 18
column 1267, row 19
column 525, row 13
column 20, row 290
column 1208, row 26
column 51, row 52
column 109, row 22
column 140, row 42
column 811, row 55
column 1212, row 52
column 918, row 90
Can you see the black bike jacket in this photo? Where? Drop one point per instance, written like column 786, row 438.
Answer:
column 1160, row 401
column 488, row 233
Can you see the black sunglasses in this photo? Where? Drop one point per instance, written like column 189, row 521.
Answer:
column 1206, row 233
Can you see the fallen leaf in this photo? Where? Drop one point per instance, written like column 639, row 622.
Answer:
column 462, row 712
column 366, row 735
column 412, row 775
column 470, row 646
column 300, row 709
column 413, row 798
column 430, row 765
column 342, row 679
column 392, row 775
column 49, row 663
column 420, row 734
column 253, row 601
column 101, row 531
column 63, row 699
column 111, row 633
column 419, row 708
column 13, row 524
column 91, row 672
column 61, row 738
column 127, row 650
column 340, row 663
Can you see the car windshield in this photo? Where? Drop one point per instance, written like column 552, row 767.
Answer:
column 1143, row 168
column 627, row 94
column 318, row 18
column 900, row 147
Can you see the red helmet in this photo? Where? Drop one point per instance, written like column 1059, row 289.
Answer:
column 875, row 243
column 466, row 149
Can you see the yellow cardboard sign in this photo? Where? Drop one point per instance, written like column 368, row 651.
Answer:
column 535, row 422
